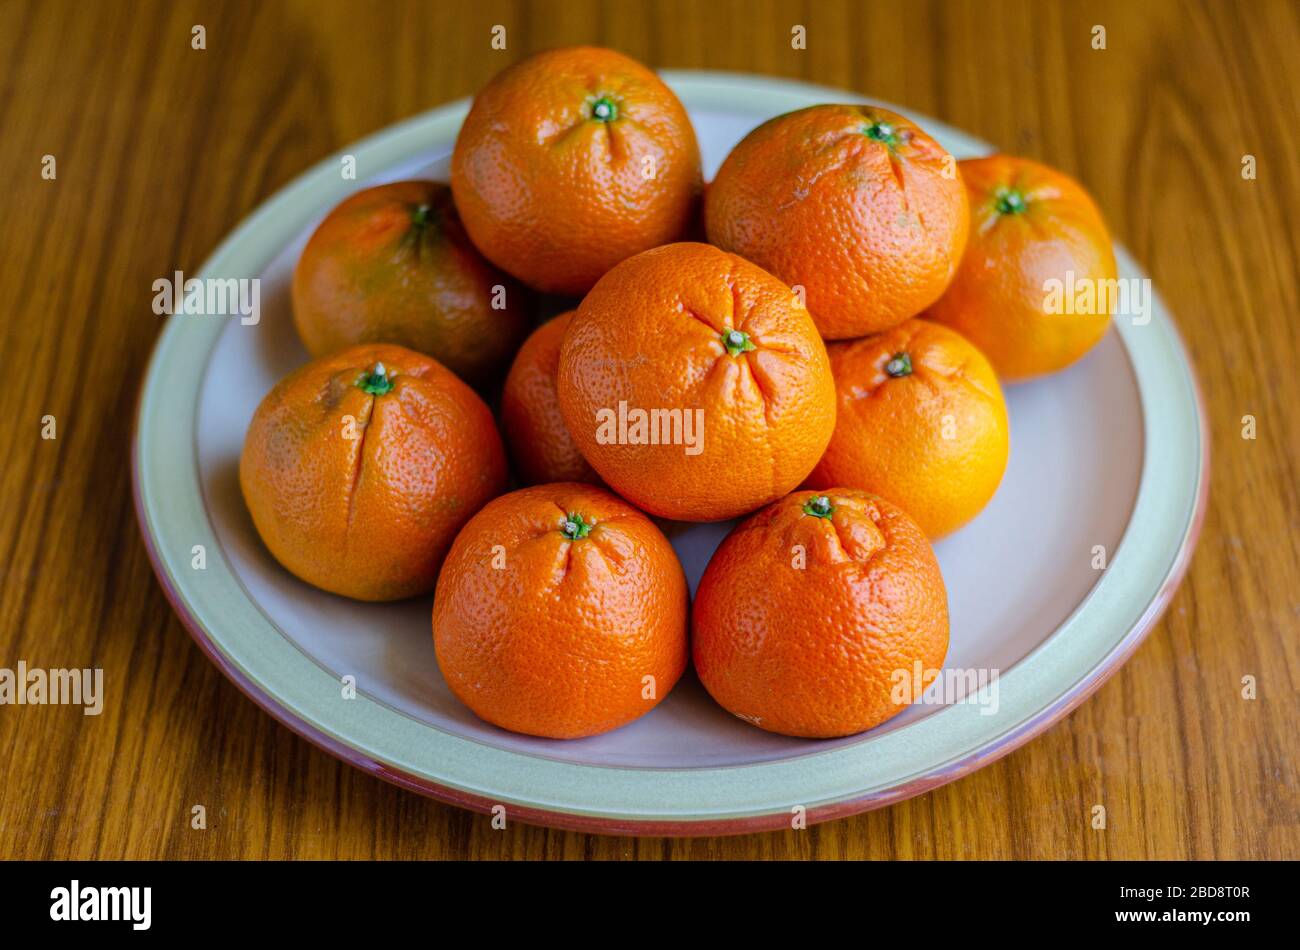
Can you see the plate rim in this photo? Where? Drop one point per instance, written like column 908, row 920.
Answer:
column 717, row 89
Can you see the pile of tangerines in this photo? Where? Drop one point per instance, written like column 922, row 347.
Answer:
column 838, row 341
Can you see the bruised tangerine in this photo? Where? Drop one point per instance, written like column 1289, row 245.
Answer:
column 393, row 264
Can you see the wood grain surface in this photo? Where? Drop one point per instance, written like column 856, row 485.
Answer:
column 161, row 149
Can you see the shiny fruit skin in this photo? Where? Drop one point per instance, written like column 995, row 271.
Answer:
column 651, row 335
column 541, row 448
column 854, row 203
column 1017, row 246
column 933, row 440
column 811, row 649
column 556, row 195
column 361, row 493
column 393, row 264
column 550, row 636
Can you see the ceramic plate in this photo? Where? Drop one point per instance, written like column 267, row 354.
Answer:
column 1108, row 460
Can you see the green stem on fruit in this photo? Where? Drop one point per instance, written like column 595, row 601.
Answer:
column 883, row 133
column 819, row 506
column 1009, row 201
column 573, row 527
column 377, row 382
column 737, row 341
column 899, row 365
column 604, row 109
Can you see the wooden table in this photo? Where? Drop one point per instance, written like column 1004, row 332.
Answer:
column 161, row 149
